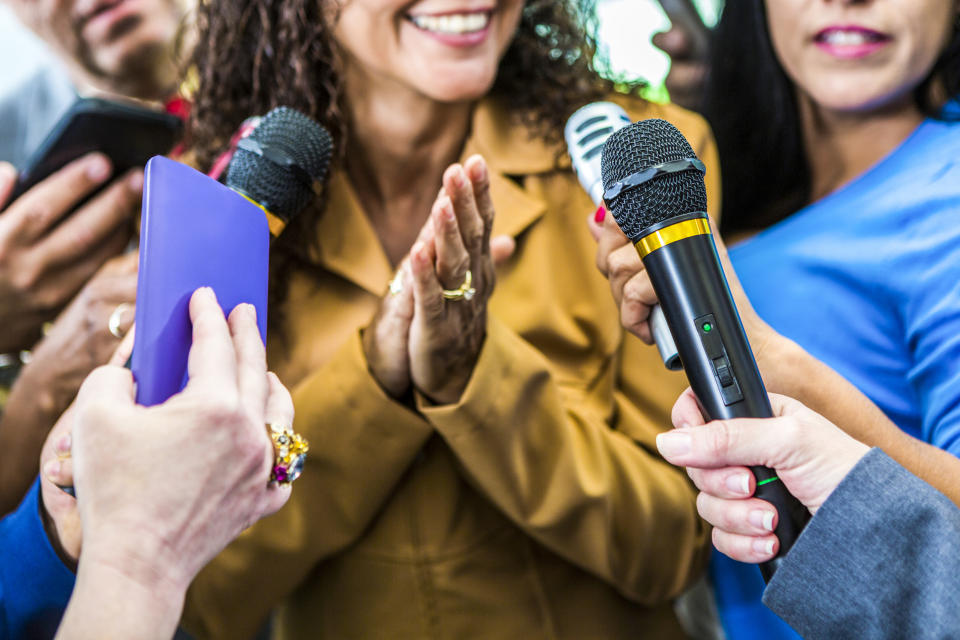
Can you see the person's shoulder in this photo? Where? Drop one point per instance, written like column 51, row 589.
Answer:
column 927, row 159
column 942, row 139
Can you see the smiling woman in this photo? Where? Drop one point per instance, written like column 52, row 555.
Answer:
column 484, row 462
column 858, row 60
column 444, row 53
column 841, row 124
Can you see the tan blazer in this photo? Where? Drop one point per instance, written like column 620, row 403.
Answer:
column 537, row 507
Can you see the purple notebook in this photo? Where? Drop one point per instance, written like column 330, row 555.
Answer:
column 194, row 232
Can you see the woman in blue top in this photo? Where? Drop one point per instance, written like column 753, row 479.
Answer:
column 839, row 150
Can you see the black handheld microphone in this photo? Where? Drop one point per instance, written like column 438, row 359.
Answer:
column 281, row 165
column 586, row 132
column 655, row 191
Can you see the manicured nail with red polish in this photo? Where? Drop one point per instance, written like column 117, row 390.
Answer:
column 600, row 215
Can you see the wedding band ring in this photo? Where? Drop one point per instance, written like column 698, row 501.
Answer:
column 113, row 324
column 464, row 292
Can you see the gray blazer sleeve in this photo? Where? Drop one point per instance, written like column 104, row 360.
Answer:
column 881, row 559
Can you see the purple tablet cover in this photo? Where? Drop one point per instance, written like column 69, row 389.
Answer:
column 194, row 232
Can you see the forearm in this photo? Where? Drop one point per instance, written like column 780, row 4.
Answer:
column 789, row 370
column 109, row 603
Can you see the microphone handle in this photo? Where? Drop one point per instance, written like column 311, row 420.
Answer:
column 696, row 301
column 664, row 340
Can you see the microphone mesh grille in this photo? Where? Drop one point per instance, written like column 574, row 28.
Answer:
column 277, row 188
column 640, row 146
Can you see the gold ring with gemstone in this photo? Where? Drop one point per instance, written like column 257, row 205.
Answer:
column 113, row 323
column 290, row 451
column 464, row 292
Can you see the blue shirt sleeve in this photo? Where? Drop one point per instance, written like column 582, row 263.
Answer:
column 35, row 585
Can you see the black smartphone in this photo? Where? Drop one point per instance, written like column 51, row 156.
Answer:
column 127, row 134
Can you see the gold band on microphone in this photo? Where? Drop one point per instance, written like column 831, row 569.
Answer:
column 662, row 237
column 275, row 223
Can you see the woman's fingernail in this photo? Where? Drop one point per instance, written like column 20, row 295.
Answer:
column 761, row 518
column 52, row 469
column 600, row 215
column 673, row 443
column 64, row 443
column 458, row 177
column 739, row 483
column 99, row 168
column 763, row 546
column 479, row 170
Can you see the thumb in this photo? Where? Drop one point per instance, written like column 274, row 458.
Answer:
column 501, row 248
column 109, row 385
column 125, row 349
column 686, row 411
column 727, row 443
column 784, row 405
column 399, row 301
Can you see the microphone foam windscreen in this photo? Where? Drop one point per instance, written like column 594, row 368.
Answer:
column 642, row 145
column 278, row 188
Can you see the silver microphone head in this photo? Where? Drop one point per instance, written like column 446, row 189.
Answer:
column 586, row 132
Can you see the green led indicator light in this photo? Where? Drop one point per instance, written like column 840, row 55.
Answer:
column 767, row 481
column 707, row 327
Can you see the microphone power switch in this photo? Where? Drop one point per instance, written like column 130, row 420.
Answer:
column 712, row 343
column 722, row 368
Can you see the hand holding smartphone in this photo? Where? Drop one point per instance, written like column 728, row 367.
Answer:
column 62, row 218
column 126, row 134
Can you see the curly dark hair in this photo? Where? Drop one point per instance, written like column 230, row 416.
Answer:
column 254, row 55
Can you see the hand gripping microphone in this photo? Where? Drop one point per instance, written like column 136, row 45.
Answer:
column 586, row 132
column 655, row 191
column 281, row 165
